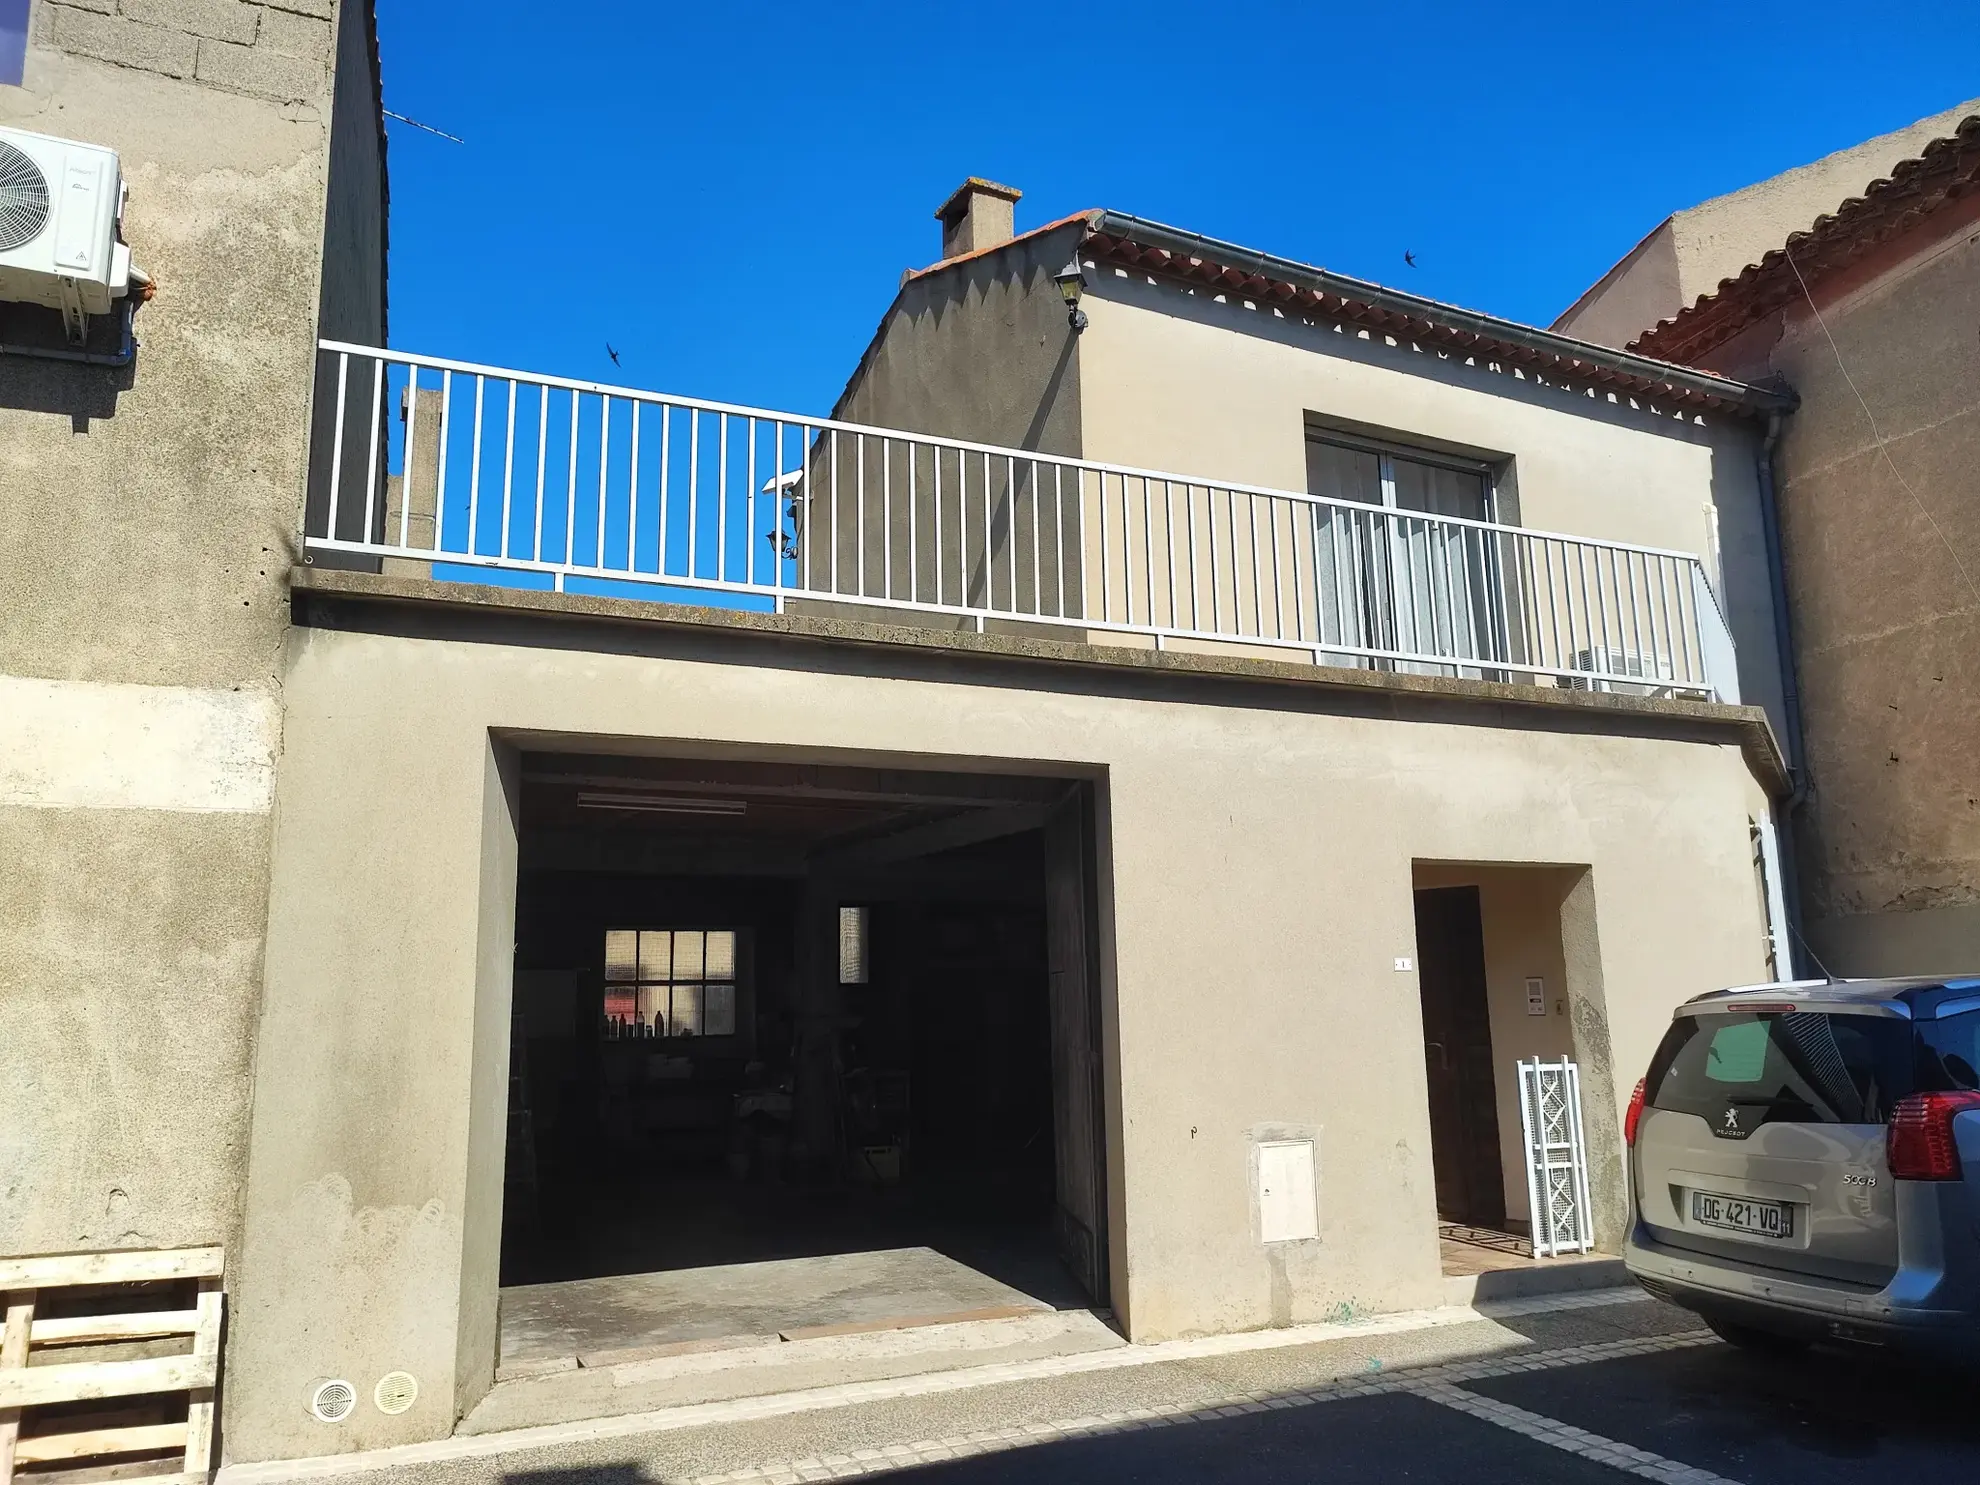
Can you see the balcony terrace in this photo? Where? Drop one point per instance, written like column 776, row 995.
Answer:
column 433, row 468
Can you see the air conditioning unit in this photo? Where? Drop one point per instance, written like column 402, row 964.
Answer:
column 1615, row 662
column 61, row 226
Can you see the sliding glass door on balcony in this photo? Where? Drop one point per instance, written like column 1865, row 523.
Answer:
column 1392, row 577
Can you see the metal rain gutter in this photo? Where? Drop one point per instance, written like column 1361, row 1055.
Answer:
column 1759, row 401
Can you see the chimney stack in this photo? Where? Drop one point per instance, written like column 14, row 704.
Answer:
column 979, row 215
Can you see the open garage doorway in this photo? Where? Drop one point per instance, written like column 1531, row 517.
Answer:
column 797, row 1050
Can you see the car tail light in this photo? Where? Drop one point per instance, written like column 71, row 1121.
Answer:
column 1920, row 1144
column 1635, row 1115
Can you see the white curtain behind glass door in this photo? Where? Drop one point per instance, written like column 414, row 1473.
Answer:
column 1345, row 544
column 1388, row 582
column 1443, row 598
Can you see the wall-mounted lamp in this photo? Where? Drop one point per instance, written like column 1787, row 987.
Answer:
column 1072, row 283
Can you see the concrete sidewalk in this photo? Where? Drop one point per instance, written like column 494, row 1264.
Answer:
column 835, row 1431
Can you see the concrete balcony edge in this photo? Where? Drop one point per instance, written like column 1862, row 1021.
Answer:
column 1745, row 725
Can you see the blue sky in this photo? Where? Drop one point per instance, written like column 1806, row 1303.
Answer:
column 728, row 192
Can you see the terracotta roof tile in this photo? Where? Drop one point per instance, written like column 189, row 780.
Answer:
column 1153, row 248
column 1945, row 171
column 1127, row 241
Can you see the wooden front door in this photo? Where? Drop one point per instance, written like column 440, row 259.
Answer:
column 1457, row 1051
column 1078, row 1128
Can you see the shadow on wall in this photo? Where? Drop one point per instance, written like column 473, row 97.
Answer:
column 41, row 372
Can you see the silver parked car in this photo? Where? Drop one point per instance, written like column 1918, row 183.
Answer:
column 1804, row 1164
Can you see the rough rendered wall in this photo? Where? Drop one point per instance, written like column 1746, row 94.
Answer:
column 1887, row 625
column 148, row 516
column 981, row 351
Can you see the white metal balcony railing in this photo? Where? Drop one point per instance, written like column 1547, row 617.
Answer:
column 472, row 472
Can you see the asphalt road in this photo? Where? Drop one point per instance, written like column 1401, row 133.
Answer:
column 1393, row 1438
column 1813, row 1420
column 1864, row 1418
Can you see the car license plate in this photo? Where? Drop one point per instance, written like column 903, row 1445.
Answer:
column 1773, row 1219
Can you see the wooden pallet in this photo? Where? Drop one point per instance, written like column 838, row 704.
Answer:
column 30, row 1284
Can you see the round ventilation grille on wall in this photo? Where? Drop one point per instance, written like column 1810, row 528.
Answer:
column 23, row 198
column 332, row 1401
column 395, row 1392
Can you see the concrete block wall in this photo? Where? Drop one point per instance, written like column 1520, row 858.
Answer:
column 274, row 49
column 150, row 516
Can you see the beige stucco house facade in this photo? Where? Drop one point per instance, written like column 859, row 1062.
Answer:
column 1101, row 814
column 1247, row 855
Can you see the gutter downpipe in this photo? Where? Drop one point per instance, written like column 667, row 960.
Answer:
column 1770, row 522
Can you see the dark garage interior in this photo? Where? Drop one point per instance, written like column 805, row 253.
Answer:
column 769, row 1012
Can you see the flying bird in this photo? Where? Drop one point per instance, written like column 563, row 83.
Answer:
column 612, row 353
column 1409, row 258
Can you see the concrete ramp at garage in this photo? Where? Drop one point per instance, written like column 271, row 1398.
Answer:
column 633, row 1343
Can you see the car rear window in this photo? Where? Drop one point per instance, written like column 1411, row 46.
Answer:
column 1810, row 1067
column 1801, row 1067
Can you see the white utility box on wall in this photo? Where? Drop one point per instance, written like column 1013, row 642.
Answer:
column 61, row 219
column 1287, row 1209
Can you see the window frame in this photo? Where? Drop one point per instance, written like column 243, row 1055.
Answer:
column 640, row 983
column 1387, row 450
column 1388, row 570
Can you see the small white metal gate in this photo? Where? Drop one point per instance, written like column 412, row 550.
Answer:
column 1556, row 1158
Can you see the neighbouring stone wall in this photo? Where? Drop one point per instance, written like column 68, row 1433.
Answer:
column 149, row 514
column 1880, row 532
column 279, row 49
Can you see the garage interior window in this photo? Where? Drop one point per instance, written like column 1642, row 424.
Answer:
column 853, row 946
column 671, row 981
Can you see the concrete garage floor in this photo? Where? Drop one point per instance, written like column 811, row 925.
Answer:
column 596, row 1348
column 603, row 1322
column 642, row 1221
